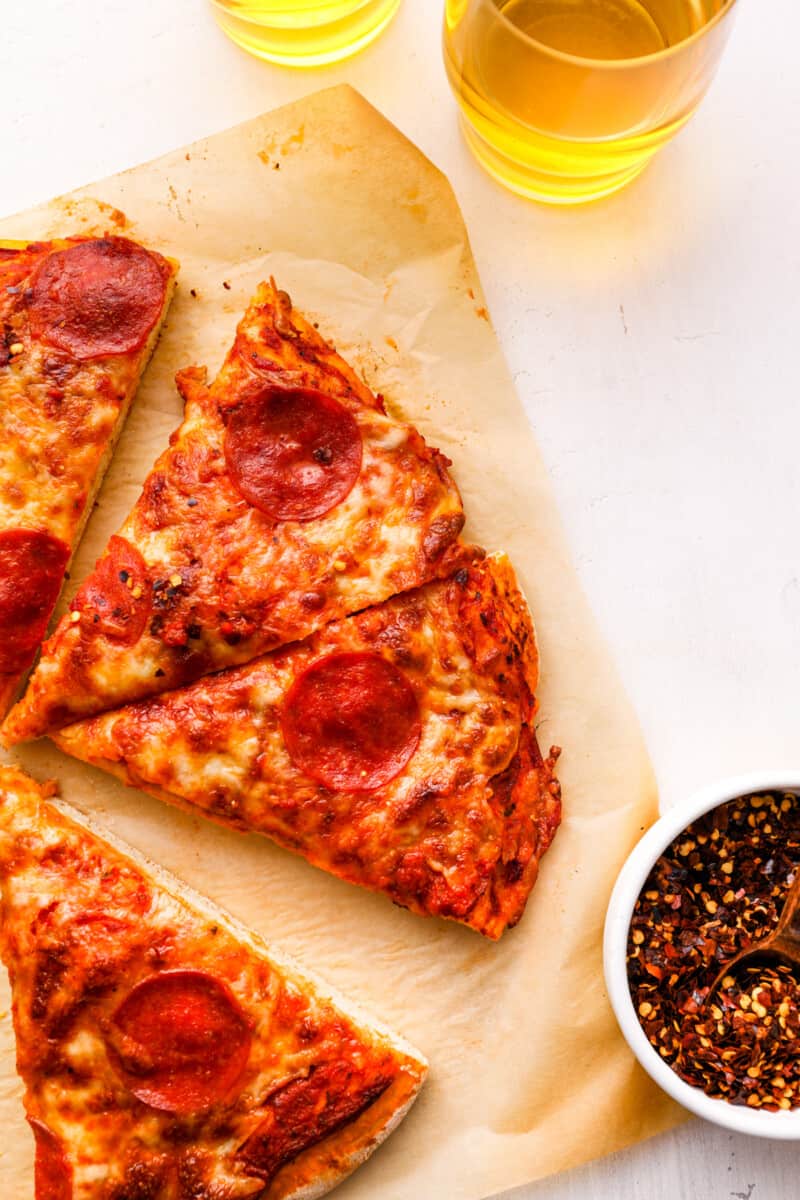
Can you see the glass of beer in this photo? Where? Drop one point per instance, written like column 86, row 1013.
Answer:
column 566, row 101
column 304, row 33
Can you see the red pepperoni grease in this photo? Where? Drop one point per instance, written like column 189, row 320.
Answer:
column 180, row 1041
column 97, row 297
column 116, row 599
column 32, row 566
column 52, row 1172
column 351, row 721
column 293, row 453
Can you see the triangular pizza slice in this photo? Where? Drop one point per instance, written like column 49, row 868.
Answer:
column 79, row 319
column 393, row 748
column 287, row 498
column 166, row 1052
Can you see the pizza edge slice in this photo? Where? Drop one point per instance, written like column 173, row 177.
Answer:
column 493, row 614
column 324, row 1164
column 299, row 352
column 293, row 354
column 12, row 685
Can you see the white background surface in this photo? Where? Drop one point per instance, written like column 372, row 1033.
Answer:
column 653, row 338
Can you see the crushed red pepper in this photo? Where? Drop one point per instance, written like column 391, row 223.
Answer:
column 717, row 889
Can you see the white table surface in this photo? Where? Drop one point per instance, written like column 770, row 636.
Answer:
column 653, row 337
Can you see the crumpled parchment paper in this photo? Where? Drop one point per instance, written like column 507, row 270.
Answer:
column 529, row 1075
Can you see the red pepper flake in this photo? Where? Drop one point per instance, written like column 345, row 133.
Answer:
column 716, row 890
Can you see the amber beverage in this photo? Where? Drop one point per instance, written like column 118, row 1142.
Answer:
column 568, row 100
column 304, row 33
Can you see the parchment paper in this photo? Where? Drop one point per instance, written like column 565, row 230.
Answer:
column 529, row 1075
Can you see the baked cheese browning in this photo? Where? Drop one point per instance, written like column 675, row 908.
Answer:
column 78, row 320
column 393, row 748
column 287, row 498
column 165, row 1052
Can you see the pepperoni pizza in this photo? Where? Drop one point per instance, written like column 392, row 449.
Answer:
column 393, row 748
column 166, row 1052
column 288, row 497
column 78, row 321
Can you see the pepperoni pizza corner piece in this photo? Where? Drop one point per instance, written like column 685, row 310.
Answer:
column 394, row 749
column 167, row 1052
column 287, row 498
column 79, row 318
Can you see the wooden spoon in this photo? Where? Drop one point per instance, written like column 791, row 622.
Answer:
column 783, row 944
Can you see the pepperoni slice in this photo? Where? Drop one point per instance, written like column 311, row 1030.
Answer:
column 98, row 297
column 180, row 1041
column 116, row 599
column 351, row 721
column 52, row 1172
column 306, row 1110
column 32, row 566
column 294, row 453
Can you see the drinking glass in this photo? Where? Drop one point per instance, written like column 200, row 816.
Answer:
column 304, row 33
column 566, row 101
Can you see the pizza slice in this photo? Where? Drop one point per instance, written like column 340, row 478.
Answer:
column 166, row 1052
column 393, row 748
column 79, row 319
column 287, row 498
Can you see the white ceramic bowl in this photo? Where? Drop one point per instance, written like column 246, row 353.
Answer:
column 631, row 879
